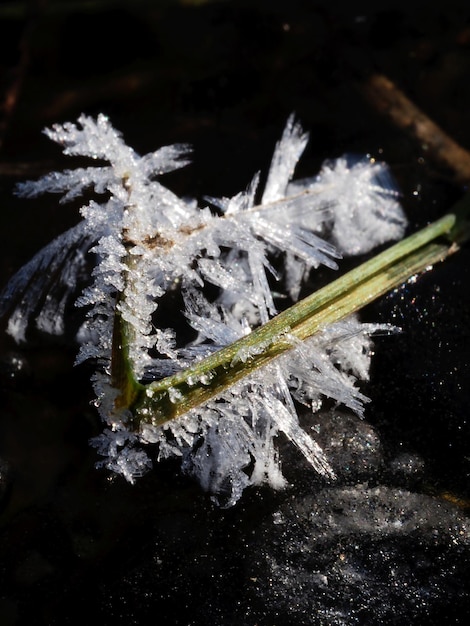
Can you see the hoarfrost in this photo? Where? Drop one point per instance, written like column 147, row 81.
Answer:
column 362, row 200
column 42, row 288
column 147, row 244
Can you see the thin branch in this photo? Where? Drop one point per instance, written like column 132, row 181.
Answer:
column 13, row 90
column 389, row 100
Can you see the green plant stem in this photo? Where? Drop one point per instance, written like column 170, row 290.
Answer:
column 122, row 375
column 174, row 395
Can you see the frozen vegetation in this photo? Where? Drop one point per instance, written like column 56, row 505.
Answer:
column 255, row 250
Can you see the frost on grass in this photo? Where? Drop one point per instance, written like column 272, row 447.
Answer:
column 254, row 250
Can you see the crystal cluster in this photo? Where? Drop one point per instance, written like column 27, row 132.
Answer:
column 231, row 261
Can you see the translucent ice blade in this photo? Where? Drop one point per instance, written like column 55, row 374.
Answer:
column 42, row 288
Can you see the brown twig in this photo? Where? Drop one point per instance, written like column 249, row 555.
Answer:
column 25, row 169
column 389, row 100
column 122, row 85
column 13, row 89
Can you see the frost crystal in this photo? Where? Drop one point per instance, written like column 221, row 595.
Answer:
column 147, row 243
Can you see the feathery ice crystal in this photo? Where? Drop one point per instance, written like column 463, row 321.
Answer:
column 147, row 243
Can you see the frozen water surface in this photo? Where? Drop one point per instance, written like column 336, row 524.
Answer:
column 361, row 555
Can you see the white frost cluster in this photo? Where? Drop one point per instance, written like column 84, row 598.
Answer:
column 252, row 249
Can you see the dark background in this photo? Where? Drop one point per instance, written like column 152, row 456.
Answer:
column 223, row 76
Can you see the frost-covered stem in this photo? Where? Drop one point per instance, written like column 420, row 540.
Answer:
column 329, row 304
column 148, row 243
column 123, row 377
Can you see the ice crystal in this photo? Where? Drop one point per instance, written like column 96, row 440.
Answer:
column 146, row 242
